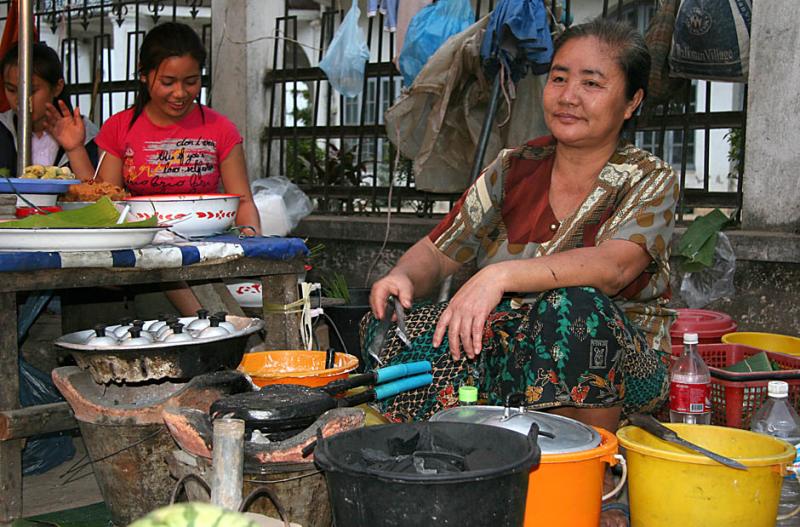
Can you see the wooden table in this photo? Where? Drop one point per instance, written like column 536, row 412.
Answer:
column 279, row 280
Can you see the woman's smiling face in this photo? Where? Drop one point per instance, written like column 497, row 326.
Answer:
column 584, row 99
column 173, row 87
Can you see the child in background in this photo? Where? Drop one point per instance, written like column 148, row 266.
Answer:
column 50, row 145
column 168, row 143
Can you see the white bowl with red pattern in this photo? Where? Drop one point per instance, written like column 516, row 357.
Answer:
column 188, row 215
column 246, row 293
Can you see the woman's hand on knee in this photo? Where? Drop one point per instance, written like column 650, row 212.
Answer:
column 393, row 284
column 465, row 316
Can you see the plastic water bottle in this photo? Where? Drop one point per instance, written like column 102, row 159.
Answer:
column 777, row 418
column 690, row 386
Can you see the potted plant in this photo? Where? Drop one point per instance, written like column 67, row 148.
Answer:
column 346, row 317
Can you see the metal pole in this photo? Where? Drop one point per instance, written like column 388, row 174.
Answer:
column 25, row 66
column 227, row 463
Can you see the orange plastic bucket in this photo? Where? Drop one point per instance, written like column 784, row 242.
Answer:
column 567, row 489
column 296, row 367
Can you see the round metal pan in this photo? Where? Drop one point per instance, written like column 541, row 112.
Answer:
column 161, row 360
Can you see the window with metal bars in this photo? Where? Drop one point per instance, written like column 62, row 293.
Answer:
column 700, row 132
column 98, row 42
column 337, row 148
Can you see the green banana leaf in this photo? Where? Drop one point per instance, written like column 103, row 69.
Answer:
column 696, row 246
column 102, row 214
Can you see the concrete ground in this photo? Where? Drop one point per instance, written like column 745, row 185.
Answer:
column 67, row 486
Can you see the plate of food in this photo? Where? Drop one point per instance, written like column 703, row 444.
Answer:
column 86, row 193
column 38, row 179
column 98, row 227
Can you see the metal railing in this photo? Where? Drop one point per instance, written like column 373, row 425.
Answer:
column 98, row 42
column 337, row 148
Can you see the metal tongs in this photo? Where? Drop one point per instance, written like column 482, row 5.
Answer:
column 393, row 306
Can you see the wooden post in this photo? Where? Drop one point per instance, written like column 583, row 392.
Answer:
column 283, row 329
column 10, row 451
column 215, row 297
column 227, row 463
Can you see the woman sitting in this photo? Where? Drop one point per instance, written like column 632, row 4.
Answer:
column 571, row 235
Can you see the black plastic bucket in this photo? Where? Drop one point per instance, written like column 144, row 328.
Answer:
column 491, row 492
column 346, row 318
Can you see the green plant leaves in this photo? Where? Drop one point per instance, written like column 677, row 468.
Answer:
column 336, row 287
column 696, row 246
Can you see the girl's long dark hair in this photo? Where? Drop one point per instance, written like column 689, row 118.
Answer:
column 171, row 39
column 46, row 66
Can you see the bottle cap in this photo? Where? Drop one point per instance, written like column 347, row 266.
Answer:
column 468, row 394
column 690, row 338
column 778, row 389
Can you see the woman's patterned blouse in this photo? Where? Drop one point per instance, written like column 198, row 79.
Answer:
column 506, row 215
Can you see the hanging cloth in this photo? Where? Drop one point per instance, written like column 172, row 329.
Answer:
column 660, row 87
column 518, row 37
column 437, row 121
column 711, row 40
column 388, row 8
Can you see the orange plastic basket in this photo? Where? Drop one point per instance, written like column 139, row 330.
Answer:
column 735, row 396
column 296, row 367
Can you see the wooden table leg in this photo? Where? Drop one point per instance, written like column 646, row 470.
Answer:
column 283, row 329
column 214, row 296
column 10, row 451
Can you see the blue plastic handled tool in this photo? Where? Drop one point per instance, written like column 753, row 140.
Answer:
column 403, row 385
column 390, row 373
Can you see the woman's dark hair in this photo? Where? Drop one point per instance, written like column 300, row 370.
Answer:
column 171, row 39
column 46, row 66
column 632, row 53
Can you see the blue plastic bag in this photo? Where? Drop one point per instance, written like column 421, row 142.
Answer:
column 346, row 58
column 428, row 30
column 42, row 452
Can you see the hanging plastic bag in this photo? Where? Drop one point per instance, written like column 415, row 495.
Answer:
column 428, row 30
column 346, row 58
column 698, row 289
column 711, row 40
column 281, row 205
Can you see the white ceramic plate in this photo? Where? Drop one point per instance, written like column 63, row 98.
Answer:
column 40, row 200
column 63, row 240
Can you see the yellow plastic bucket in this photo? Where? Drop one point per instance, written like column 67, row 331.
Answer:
column 765, row 341
column 668, row 486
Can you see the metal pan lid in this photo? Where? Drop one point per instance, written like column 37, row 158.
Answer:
column 557, row 434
